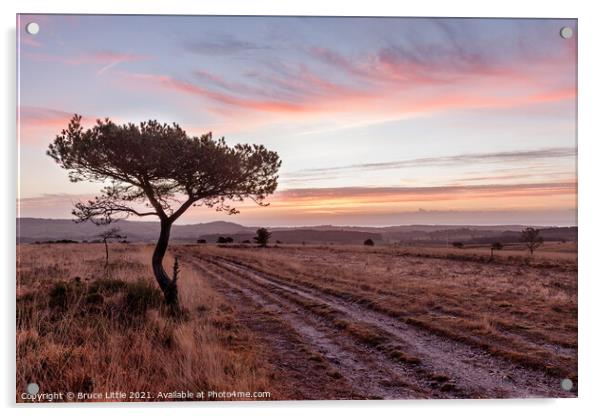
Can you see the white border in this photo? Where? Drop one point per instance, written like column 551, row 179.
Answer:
column 590, row 24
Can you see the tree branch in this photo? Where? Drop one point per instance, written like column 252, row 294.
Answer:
column 103, row 209
column 182, row 209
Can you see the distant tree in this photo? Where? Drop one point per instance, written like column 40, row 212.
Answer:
column 458, row 244
column 201, row 241
column 160, row 167
column 368, row 242
column 105, row 236
column 496, row 246
column 530, row 236
column 224, row 240
column 246, row 242
column 263, row 237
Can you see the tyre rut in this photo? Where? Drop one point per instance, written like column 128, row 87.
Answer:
column 465, row 371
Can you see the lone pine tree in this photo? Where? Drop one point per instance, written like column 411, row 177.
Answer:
column 156, row 169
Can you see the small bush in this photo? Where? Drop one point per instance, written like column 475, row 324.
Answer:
column 62, row 294
column 139, row 296
column 201, row 241
column 369, row 242
column 106, row 285
column 95, row 298
column 458, row 244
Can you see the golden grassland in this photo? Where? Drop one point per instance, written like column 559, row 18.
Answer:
column 81, row 330
column 517, row 306
column 551, row 252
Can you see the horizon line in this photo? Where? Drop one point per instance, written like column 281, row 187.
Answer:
column 329, row 225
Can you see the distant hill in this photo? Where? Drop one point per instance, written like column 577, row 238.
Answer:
column 37, row 229
column 31, row 230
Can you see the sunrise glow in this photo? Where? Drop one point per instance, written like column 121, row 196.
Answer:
column 377, row 121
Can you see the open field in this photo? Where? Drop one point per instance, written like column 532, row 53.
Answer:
column 101, row 334
column 301, row 322
column 550, row 252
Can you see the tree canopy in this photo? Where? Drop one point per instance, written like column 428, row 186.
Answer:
column 160, row 166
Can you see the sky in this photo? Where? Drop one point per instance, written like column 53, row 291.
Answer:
column 378, row 121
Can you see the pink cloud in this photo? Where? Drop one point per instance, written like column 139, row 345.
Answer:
column 313, row 95
column 470, row 99
column 30, row 116
column 331, row 94
column 387, row 84
column 391, row 66
column 39, row 124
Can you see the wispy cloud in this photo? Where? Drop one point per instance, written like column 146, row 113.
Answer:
column 420, row 192
column 459, row 159
column 41, row 124
column 395, row 80
column 540, row 203
column 373, row 201
column 31, row 116
column 223, row 44
column 356, row 196
column 307, row 93
column 314, row 94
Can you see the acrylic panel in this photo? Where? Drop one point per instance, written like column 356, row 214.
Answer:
column 295, row 208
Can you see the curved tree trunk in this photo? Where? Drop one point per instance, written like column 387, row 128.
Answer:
column 168, row 286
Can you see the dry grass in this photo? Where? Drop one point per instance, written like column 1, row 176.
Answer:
column 83, row 331
column 550, row 254
column 517, row 307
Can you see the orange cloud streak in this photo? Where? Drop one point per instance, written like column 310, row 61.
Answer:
column 371, row 201
column 474, row 197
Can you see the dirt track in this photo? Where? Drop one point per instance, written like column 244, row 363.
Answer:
column 318, row 344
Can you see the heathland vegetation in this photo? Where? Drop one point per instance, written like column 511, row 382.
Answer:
column 364, row 321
